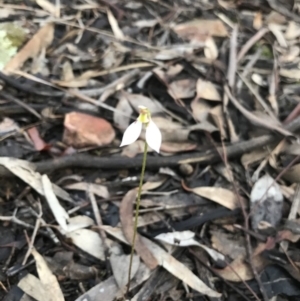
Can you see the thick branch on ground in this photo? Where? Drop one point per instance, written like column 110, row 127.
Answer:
column 205, row 157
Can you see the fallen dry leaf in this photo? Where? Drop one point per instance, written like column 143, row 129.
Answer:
column 177, row 51
column 171, row 264
column 219, row 195
column 290, row 73
column 120, row 265
column 126, row 216
column 187, row 239
column 137, row 100
column 85, row 130
column 218, row 117
column 201, row 109
column 48, row 280
column 97, row 189
column 266, row 202
column 88, row 241
column 175, row 147
column 77, row 222
column 276, row 30
column 229, row 244
column 293, row 174
column 134, row 149
column 207, row 90
column 48, row 6
column 42, row 39
column 8, row 125
column 60, row 214
column 32, row 286
column 292, row 31
column 196, row 29
column 183, row 88
column 25, row 171
column 238, row 270
column 123, row 106
column 254, row 157
column 210, row 49
column 114, row 25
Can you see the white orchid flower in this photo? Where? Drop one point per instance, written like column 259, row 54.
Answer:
column 153, row 134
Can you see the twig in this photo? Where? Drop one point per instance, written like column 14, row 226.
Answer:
column 118, row 84
column 258, row 97
column 283, row 10
column 248, row 67
column 247, row 236
column 100, row 223
column 35, row 230
column 50, row 233
column 251, row 42
column 217, row 275
column 293, row 213
column 253, row 118
column 232, row 59
column 15, row 220
column 20, row 103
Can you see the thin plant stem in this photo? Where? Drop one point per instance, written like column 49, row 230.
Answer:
column 137, row 213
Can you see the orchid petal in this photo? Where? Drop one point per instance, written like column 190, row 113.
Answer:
column 132, row 133
column 153, row 136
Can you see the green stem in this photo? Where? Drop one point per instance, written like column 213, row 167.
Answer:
column 137, row 213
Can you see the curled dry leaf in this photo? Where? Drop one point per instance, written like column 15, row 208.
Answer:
column 219, row 195
column 266, row 202
column 97, row 189
column 196, row 29
column 126, row 216
column 42, row 39
column 177, row 51
column 170, row 263
column 85, row 130
column 145, row 23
